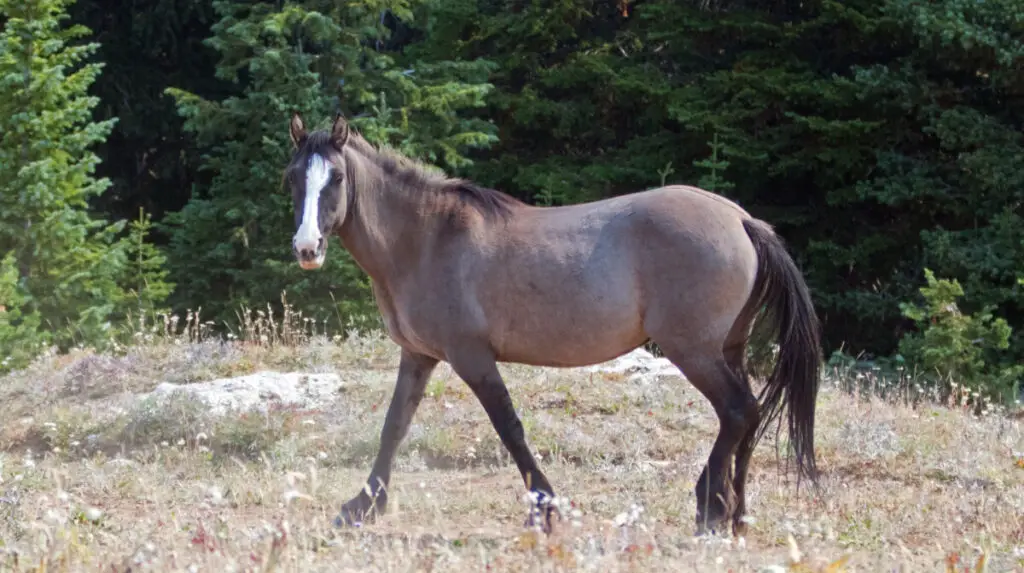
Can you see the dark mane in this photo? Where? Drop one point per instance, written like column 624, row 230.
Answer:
column 429, row 179
column 489, row 201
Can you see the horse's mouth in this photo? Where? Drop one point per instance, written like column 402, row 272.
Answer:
column 310, row 258
column 314, row 263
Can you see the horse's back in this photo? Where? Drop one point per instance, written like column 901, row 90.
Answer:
column 575, row 285
column 690, row 194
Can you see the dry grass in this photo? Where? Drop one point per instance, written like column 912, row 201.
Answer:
column 90, row 479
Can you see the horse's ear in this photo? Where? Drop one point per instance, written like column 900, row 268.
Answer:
column 339, row 132
column 297, row 130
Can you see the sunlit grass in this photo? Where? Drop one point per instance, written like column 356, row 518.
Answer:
column 93, row 478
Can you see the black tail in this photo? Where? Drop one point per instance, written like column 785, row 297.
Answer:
column 789, row 315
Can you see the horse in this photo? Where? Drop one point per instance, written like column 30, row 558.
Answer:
column 475, row 277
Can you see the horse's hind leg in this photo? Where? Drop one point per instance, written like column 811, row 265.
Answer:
column 706, row 368
column 477, row 367
column 734, row 357
column 734, row 352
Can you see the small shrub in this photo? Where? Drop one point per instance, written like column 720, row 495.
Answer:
column 156, row 420
column 255, row 432
column 951, row 346
column 20, row 337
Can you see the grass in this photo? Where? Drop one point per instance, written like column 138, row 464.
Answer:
column 92, row 478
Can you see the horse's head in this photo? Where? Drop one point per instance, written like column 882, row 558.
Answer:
column 320, row 194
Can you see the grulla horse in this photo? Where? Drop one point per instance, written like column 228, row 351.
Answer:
column 474, row 277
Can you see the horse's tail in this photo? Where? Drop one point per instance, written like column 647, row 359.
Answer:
column 781, row 292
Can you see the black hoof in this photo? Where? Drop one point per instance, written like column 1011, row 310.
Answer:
column 360, row 510
column 719, row 526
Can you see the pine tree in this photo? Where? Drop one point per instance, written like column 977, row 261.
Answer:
column 955, row 153
column 147, row 45
column 581, row 114
column 230, row 245
column 714, row 179
column 878, row 136
column 67, row 263
column 146, row 273
column 20, row 337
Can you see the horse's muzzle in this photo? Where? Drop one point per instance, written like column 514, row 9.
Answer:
column 310, row 258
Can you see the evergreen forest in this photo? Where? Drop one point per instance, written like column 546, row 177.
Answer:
column 142, row 145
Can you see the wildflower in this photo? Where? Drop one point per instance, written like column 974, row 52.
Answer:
column 794, row 551
column 630, row 517
column 291, row 494
column 215, row 494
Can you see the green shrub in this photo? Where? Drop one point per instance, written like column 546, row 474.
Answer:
column 966, row 349
column 20, row 337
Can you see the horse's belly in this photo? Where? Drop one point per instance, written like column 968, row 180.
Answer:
column 564, row 355
column 569, row 331
column 564, row 292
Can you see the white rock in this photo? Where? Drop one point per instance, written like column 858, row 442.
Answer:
column 642, row 364
column 304, row 390
column 257, row 390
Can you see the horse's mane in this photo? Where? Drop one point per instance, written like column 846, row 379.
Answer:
column 490, row 201
column 424, row 177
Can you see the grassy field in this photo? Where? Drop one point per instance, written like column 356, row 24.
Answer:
column 92, row 478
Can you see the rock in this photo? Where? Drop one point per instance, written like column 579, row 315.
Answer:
column 303, row 390
column 643, row 366
column 257, row 390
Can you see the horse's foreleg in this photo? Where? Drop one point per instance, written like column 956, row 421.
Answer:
column 480, row 372
column 413, row 373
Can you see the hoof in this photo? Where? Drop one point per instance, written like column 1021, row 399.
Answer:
column 543, row 513
column 711, row 531
column 739, row 526
column 720, row 526
column 359, row 511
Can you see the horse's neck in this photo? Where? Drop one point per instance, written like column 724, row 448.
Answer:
column 386, row 228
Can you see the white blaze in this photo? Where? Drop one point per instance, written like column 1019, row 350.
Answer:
column 317, row 175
